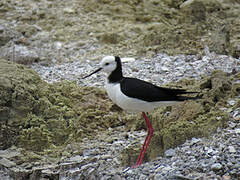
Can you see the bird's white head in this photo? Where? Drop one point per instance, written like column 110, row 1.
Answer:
column 108, row 64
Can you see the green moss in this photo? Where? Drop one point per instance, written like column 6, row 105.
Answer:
column 179, row 131
column 45, row 115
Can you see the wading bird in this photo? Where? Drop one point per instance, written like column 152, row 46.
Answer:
column 135, row 95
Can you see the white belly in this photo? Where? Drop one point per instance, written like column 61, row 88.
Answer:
column 132, row 104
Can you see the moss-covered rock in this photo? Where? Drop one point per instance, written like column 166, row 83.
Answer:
column 37, row 115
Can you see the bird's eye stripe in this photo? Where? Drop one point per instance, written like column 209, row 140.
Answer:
column 107, row 64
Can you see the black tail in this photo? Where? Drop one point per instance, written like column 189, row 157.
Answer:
column 182, row 91
column 178, row 92
column 184, row 98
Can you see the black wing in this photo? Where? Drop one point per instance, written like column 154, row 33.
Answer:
column 146, row 91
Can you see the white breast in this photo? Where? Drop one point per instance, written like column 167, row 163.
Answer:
column 112, row 89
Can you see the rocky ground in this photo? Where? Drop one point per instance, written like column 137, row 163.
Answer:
column 65, row 130
column 101, row 157
column 199, row 158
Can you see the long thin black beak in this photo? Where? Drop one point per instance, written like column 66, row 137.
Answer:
column 92, row 73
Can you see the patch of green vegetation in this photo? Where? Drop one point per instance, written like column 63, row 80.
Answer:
column 42, row 115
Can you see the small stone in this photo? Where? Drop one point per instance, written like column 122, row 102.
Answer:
column 195, row 141
column 231, row 102
column 166, row 169
column 236, row 114
column 232, row 124
column 204, row 164
column 170, row 153
column 128, row 59
column 142, row 177
column 231, row 149
column 158, row 176
column 117, row 177
column 216, row 166
column 226, row 177
column 233, row 172
column 106, row 156
column 48, row 173
column 68, row 147
column 237, row 131
column 188, row 153
column 164, row 68
column 210, row 151
column 68, row 10
column 76, row 158
column 7, row 163
column 9, row 153
column 181, row 177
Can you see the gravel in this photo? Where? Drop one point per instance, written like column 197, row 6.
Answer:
column 160, row 69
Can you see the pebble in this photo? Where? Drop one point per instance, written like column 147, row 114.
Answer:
column 237, row 131
column 170, row 152
column 7, row 163
column 8, row 153
column 142, row 177
column 216, row 166
column 231, row 149
column 195, row 140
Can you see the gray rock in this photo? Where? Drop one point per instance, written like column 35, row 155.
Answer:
column 231, row 149
column 5, row 175
column 7, row 163
column 170, row 152
column 142, row 177
column 9, row 153
column 181, row 177
column 231, row 102
column 158, row 176
column 195, row 141
column 76, row 158
column 216, row 166
column 237, row 131
column 167, row 169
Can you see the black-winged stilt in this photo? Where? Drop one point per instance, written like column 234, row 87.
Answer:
column 135, row 95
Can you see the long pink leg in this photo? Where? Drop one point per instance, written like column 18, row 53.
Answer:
column 147, row 140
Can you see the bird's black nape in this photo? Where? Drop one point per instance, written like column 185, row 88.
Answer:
column 116, row 74
column 119, row 63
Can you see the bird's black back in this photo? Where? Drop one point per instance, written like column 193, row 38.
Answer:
column 146, row 91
